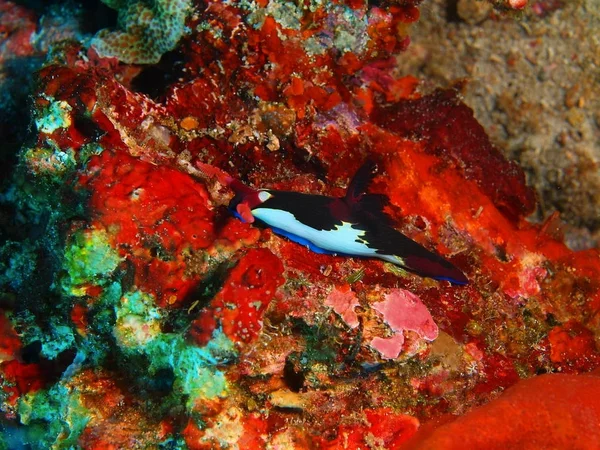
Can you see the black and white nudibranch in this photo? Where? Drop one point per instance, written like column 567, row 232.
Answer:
column 353, row 225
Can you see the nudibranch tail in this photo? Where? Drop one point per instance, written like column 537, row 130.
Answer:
column 434, row 266
column 381, row 236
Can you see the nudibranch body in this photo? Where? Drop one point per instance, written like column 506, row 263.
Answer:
column 353, row 225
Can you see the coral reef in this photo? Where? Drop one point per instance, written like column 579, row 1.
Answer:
column 137, row 312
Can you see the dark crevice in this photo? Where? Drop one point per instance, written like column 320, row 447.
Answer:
column 292, row 373
column 155, row 79
column 452, row 11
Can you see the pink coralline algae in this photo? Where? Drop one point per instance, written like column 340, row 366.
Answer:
column 343, row 301
column 136, row 311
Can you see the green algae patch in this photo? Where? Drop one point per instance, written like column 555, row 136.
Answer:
column 138, row 320
column 195, row 369
column 17, row 263
column 89, row 260
column 88, row 150
column 58, row 339
column 49, row 161
column 55, row 116
column 196, row 374
column 55, row 418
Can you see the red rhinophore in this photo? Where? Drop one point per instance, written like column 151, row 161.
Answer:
column 226, row 180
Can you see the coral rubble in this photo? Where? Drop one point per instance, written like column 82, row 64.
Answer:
column 136, row 312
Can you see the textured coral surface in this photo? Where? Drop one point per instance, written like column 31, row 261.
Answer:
column 137, row 312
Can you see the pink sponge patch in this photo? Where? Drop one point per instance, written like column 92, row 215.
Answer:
column 389, row 348
column 403, row 310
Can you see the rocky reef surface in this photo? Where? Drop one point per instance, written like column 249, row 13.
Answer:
column 533, row 90
column 137, row 312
